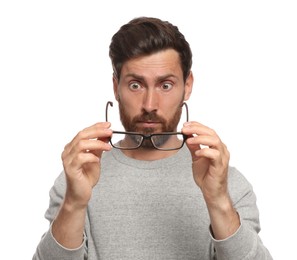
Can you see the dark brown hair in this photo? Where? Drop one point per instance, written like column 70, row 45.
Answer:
column 147, row 35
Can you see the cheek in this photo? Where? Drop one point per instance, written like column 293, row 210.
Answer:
column 127, row 110
column 130, row 110
column 132, row 105
column 172, row 105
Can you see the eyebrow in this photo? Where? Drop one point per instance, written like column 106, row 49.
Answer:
column 141, row 78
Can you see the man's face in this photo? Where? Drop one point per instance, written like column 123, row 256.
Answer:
column 151, row 91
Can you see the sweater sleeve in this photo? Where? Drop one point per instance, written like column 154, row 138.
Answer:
column 48, row 248
column 245, row 243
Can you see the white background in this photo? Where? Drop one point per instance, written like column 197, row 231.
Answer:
column 55, row 77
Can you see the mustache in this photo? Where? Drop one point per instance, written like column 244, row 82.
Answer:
column 148, row 116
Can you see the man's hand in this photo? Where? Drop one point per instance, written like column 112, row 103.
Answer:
column 81, row 161
column 210, row 160
column 210, row 170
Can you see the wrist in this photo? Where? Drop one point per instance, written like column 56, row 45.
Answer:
column 222, row 204
column 224, row 218
column 68, row 226
column 75, row 201
column 71, row 205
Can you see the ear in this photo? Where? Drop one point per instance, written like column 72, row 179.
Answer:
column 115, row 87
column 189, row 86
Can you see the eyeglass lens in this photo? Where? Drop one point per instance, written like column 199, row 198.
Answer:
column 163, row 141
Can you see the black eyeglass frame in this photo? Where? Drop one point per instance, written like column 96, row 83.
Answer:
column 148, row 137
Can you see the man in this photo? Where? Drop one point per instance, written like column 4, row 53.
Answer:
column 151, row 195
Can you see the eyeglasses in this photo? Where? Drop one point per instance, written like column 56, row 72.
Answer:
column 165, row 141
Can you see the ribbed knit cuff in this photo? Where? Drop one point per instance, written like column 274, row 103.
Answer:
column 50, row 249
column 238, row 246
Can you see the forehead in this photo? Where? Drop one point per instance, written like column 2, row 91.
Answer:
column 159, row 63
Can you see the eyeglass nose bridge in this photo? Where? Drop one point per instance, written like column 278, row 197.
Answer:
column 110, row 103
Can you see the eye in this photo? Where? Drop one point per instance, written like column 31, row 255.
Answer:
column 135, row 86
column 166, row 86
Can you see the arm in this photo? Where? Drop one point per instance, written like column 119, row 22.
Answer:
column 210, row 171
column 245, row 243
column 81, row 161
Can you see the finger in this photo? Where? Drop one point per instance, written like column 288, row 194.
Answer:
column 91, row 145
column 206, row 140
column 96, row 131
column 83, row 146
column 217, row 157
column 193, row 148
column 202, row 136
column 82, row 159
column 191, row 128
column 76, row 163
column 209, row 153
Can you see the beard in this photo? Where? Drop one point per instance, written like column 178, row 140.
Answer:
column 130, row 124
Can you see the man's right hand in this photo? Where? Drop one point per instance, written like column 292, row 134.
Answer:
column 81, row 161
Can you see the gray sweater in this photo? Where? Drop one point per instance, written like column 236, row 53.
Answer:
column 154, row 210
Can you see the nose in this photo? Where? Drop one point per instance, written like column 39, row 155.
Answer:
column 150, row 100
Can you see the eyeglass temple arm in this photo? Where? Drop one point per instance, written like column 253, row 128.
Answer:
column 106, row 109
column 187, row 110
